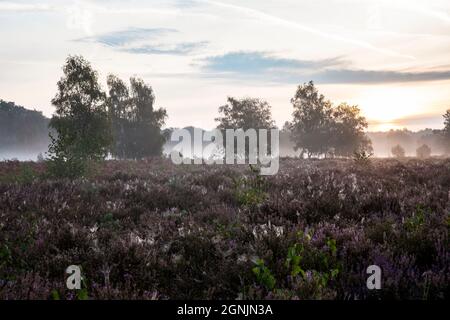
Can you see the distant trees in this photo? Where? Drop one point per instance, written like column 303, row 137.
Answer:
column 318, row 128
column 80, row 121
column 424, row 151
column 22, row 129
column 136, row 124
column 398, row 151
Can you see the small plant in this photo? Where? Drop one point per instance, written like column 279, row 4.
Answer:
column 294, row 257
column 416, row 221
column 362, row 157
column 250, row 191
column 263, row 275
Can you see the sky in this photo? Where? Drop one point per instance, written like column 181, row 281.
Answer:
column 389, row 57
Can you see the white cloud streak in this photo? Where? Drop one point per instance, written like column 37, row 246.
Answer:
column 291, row 24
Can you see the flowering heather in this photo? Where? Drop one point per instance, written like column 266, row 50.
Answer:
column 154, row 230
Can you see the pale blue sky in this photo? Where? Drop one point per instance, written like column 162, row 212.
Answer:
column 389, row 57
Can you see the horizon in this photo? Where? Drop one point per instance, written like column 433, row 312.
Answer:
column 389, row 59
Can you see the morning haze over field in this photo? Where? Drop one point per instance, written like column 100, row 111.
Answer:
column 247, row 151
column 390, row 58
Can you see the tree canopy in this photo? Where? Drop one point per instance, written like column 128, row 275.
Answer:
column 136, row 124
column 246, row 113
column 80, row 120
column 319, row 128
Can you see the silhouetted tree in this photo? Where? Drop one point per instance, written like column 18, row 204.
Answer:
column 311, row 121
column 398, row 151
column 318, row 128
column 423, row 151
column 80, row 120
column 348, row 134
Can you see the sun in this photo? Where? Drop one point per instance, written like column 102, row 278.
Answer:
column 382, row 106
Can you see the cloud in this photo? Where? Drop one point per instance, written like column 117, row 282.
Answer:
column 262, row 66
column 174, row 49
column 124, row 37
column 275, row 20
column 145, row 41
column 261, row 62
column 381, row 76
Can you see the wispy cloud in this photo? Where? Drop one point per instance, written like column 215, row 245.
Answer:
column 145, row 41
column 379, row 76
column 124, row 37
column 298, row 26
column 262, row 66
column 255, row 63
column 171, row 49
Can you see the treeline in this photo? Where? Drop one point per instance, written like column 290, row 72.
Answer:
column 22, row 129
column 410, row 142
column 89, row 123
column 122, row 121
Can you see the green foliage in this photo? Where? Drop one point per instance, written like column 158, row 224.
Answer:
column 244, row 114
column 54, row 295
column 136, row 124
column 24, row 175
column 81, row 122
column 249, row 191
column 263, row 275
column 362, row 157
column 416, row 221
column 294, row 257
column 247, row 113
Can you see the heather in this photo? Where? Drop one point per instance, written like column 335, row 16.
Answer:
column 150, row 229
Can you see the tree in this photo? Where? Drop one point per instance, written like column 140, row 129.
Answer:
column 80, row 120
column 318, row 128
column 136, row 123
column 398, row 151
column 311, row 120
column 118, row 102
column 446, row 131
column 246, row 113
column 348, row 134
column 424, row 151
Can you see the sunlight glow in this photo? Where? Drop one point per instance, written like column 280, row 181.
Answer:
column 383, row 105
